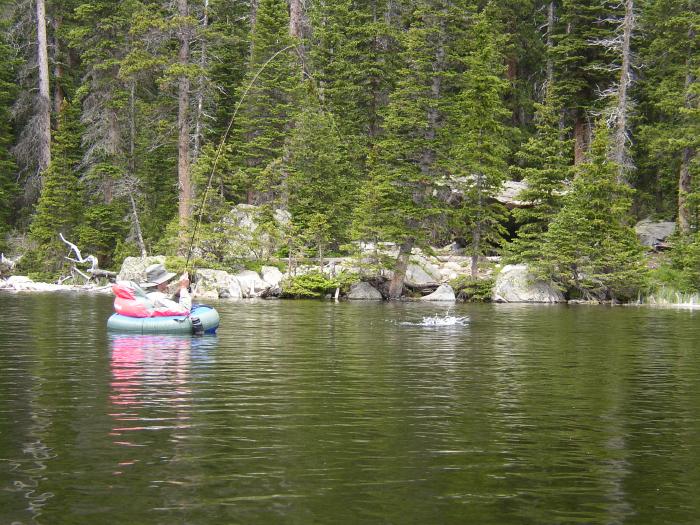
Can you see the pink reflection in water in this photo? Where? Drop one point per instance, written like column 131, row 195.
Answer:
column 150, row 388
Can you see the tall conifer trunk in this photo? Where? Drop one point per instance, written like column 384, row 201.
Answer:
column 132, row 167
column 685, row 181
column 581, row 134
column 550, row 44
column 396, row 283
column 295, row 18
column 183, row 145
column 622, row 112
column 44, row 105
column 198, row 131
column 58, row 94
column 684, row 188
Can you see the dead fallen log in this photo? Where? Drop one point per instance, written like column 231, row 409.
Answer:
column 425, row 289
column 91, row 273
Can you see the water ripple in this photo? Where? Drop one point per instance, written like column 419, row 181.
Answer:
column 320, row 412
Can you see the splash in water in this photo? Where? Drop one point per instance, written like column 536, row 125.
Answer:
column 437, row 320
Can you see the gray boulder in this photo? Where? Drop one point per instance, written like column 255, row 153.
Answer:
column 251, row 284
column 444, row 293
column 363, row 291
column 215, row 284
column 515, row 284
column 510, row 194
column 271, row 275
column 246, row 237
column 417, row 276
column 134, row 268
column 651, row 233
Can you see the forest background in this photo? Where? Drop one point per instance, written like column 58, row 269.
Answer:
column 367, row 120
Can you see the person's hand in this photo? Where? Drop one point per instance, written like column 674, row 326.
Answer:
column 185, row 280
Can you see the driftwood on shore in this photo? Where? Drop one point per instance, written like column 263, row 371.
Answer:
column 94, row 271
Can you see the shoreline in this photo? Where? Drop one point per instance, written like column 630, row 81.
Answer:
column 26, row 288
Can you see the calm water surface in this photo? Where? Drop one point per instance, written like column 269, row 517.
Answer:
column 315, row 412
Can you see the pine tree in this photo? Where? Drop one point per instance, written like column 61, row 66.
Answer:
column 264, row 120
column 228, row 42
column 397, row 204
column 318, row 187
column 589, row 249
column 524, row 54
column 100, row 38
column 8, row 92
column 545, row 167
column 353, row 56
column 670, row 105
column 480, row 137
column 60, row 203
column 581, row 66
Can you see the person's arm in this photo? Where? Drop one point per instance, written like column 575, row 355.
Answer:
column 164, row 306
column 185, row 296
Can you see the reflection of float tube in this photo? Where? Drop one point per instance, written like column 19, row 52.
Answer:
column 207, row 316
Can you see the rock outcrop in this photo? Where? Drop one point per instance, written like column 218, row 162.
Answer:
column 515, row 284
column 134, row 268
column 248, row 236
column 444, row 293
column 215, row 284
column 652, row 233
column 363, row 291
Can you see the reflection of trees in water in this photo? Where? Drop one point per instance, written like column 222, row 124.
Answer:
column 38, row 454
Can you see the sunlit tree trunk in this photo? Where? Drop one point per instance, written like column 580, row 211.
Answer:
column 44, row 105
column 295, row 18
column 58, row 94
column 622, row 112
column 396, row 283
column 550, row 44
column 183, row 146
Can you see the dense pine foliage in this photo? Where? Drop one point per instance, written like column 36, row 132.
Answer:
column 366, row 120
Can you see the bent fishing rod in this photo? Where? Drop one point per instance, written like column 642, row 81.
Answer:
column 220, row 149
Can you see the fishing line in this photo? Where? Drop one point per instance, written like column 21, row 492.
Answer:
column 221, row 147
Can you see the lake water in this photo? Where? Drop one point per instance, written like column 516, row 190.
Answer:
column 316, row 412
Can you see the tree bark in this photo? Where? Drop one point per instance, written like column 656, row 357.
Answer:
column 183, row 163
column 132, row 167
column 684, row 188
column 622, row 110
column 295, row 18
column 476, row 233
column 296, row 30
column 44, row 104
column 253, row 13
column 550, row 45
column 58, row 94
column 476, row 248
column 396, row 283
column 581, row 133
column 685, row 181
column 198, row 133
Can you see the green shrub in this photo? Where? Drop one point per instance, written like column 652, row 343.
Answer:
column 316, row 284
column 473, row 290
column 685, row 260
column 257, row 264
column 678, row 270
column 39, row 267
